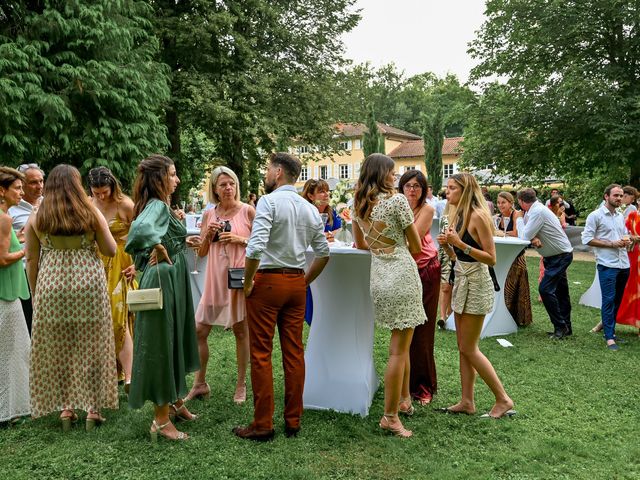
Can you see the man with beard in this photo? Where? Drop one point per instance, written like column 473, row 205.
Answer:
column 33, row 187
column 275, row 287
column 606, row 232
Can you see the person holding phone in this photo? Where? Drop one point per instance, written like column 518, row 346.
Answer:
column 224, row 232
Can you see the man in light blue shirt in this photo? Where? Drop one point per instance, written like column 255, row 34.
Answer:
column 284, row 227
column 606, row 232
column 542, row 228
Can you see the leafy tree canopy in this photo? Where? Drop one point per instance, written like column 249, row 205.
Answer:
column 252, row 73
column 568, row 96
column 79, row 84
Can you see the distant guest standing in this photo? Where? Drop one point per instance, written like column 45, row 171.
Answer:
column 605, row 230
column 423, row 380
column 33, row 187
column 542, row 228
column 275, row 281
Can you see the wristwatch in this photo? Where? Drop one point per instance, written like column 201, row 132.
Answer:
column 467, row 250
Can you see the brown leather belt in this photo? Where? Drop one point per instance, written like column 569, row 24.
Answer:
column 291, row 271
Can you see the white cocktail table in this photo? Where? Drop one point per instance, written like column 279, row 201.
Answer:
column 499, row 321
column 593, row 296
column 340, row 373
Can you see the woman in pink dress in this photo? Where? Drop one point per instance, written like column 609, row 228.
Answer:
column 225, row 232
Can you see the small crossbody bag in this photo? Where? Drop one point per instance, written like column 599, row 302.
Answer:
column 235, row 278
column 147, row 298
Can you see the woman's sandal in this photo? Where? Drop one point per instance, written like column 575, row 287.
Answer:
column 181, row 414
column 404, row 409
column 68, row 420
column 93, row 422
column 397, row 430
column 203, row 395
column 157, row 429
column 240, row 396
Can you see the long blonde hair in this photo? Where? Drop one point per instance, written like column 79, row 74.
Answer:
column 371, row 183
column 471, row 200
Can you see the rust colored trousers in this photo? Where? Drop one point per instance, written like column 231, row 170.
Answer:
column 277, row 299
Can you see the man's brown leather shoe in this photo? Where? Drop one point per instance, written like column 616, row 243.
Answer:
column 291, row 431
column 251, row 433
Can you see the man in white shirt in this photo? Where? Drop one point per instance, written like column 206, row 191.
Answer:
column 430, row 199
column 605, row 231
column 542, row 228
column 33, row 187
column 275, row 288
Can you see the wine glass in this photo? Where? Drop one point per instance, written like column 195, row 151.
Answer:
column 195, row 261
column 325, row 218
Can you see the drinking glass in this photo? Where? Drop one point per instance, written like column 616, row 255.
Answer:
column 195, row 261
column 325, row 218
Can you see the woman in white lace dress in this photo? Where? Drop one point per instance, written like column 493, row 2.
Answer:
column 384, row 225
column 469, row 242
column 14, row 336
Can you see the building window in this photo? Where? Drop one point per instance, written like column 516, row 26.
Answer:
column 324, row 172
column 345, row 145
column 302, row 149
column 304, row 174
column 358, row 144
column 448, row 170
column 412, row 167
column 344, row 172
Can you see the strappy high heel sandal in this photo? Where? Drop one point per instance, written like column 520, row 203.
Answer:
column 158, row 429
column 201, row 395
column 93, row 422
column 68, row 420
column 181, row 413
column 405, row 407
column 397, row 430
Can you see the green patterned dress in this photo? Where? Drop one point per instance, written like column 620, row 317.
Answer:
column 164, row 341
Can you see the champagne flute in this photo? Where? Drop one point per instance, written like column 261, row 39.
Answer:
column 195, row 261
column 325, row 218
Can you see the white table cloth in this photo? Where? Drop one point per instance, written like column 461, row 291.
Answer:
column 499, row 321
column 593, row 296
column 340, row 373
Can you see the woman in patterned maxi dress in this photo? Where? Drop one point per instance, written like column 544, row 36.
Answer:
column 72, row 361
column 384, row 225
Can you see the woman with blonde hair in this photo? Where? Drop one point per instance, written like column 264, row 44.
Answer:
column 14, row 335
column 72, row 361
column 317, row 193
column 383, row 224
column 117, row 209
column 225, row 232
column 470, row 240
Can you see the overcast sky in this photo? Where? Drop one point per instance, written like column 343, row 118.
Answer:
column 417, row 35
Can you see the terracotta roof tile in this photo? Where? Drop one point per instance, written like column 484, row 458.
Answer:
column 358, row 129
column 415, row 148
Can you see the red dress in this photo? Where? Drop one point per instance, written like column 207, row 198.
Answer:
column 629, row 311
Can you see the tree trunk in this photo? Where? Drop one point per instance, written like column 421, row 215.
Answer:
column 635, row 173
column 173, row 129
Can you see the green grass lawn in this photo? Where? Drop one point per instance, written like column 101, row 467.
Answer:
column 578, row 417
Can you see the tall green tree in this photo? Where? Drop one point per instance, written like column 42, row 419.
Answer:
column 252, row 72
column 433, row 136
column 568, row 96
column 373, row 141
column 79, row 84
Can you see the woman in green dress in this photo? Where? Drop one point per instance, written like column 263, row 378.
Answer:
column 165, row 347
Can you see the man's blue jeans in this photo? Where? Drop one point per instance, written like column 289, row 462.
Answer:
column 612, row 283
column 554, row 291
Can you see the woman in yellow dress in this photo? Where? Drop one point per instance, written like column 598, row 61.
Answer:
column 117, row 209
